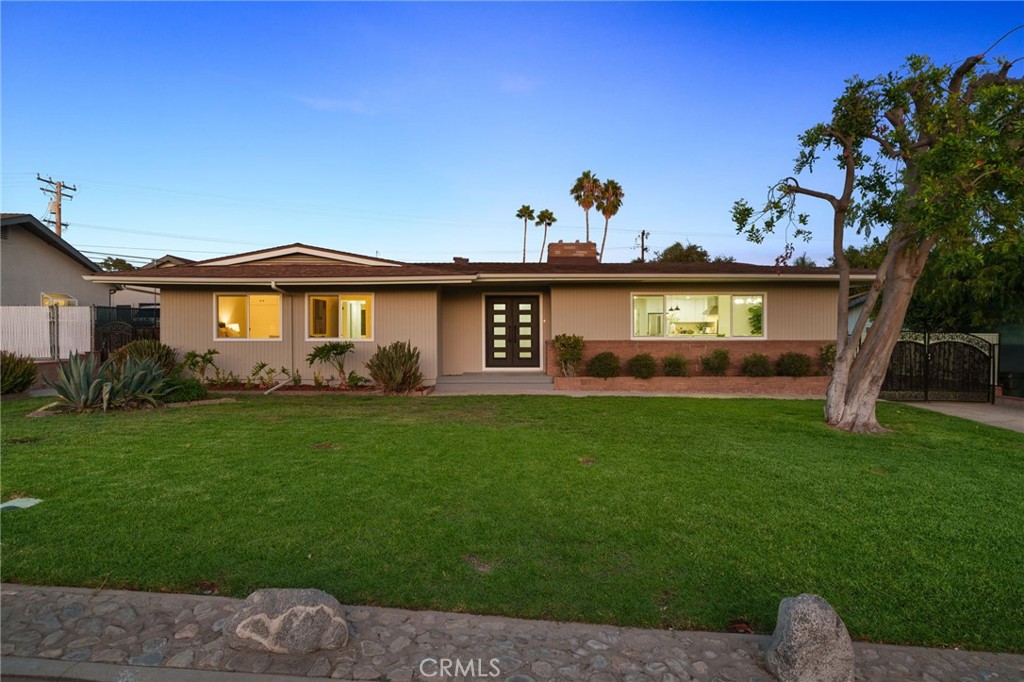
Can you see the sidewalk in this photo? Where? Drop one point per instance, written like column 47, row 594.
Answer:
column 1002, row 416
column 110, row 635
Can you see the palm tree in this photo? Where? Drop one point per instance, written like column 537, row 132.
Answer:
column 526, row 213
column 545, row 218
column 585, row 193
column 609, row 201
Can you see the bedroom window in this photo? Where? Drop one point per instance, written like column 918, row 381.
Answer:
column 249, row 316
column 688, row 316
column 340, row 316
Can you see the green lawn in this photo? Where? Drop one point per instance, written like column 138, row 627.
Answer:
column 653, row 512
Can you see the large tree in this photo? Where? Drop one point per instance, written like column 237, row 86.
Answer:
column 114, row 264
column 585, row 191
column 677, row 253
column 545, row 219
column 609, row 201
column 930, row 156
column 525, row 213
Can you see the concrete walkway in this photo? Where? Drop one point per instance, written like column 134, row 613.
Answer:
column 101, row 635
column 1003, row 416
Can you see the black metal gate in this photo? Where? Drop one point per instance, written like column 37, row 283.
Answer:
column 940, row 366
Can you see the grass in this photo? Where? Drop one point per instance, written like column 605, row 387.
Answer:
column 651, row 512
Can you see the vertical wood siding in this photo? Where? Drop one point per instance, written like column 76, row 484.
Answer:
column 462, row 325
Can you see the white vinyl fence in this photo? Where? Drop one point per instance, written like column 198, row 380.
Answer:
column 46, row 332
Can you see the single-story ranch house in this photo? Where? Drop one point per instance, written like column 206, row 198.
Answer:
column 276, row 305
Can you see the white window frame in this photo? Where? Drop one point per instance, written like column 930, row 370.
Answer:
column 58, row 299
column 665, row 337
column 338, row 294
column 280, row 317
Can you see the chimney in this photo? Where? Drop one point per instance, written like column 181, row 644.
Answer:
column 572, row 252
column 459, row 260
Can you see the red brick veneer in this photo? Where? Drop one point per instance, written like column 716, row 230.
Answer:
column 807, row 387
column 691, row 350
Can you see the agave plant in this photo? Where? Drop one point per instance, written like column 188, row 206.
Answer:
column 83, row 384
column 136, row 382
column 79, row 384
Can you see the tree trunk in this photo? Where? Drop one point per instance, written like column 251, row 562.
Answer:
column 857, row 380
column 600, row 254
column 524, row 240
column 542, row 243
column 586, row 219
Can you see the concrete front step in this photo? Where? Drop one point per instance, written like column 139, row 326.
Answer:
column 497, row 378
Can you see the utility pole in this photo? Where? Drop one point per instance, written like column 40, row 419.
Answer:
column 644, row 234
column 59, row 191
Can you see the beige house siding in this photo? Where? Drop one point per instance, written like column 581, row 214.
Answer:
column 462, row 326
column 187, row 323
column 30, row 267
column 604, row 313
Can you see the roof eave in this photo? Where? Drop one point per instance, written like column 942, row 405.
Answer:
column 279, row 281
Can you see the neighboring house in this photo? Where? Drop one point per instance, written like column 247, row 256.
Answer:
column 39, row 268
column 276, row 305
column 136, row 296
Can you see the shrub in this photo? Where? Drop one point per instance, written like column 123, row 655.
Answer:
column 570, row 353
column 17, row 373
column 604, row 365
column 356, row 380
column 396, row 368
column 293, row 375
column 332, row 354
column 163, row 355
column 198, row 363
column 827, row 356
column 181, row 389
column 756, row 365
column 674, row 365
column 83, row 384
column 642, row 366
column 793, row 365
column 715, row 364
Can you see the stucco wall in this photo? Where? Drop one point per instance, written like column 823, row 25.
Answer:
column 30, row 267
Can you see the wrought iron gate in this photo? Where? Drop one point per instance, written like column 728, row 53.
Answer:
column 940, row 366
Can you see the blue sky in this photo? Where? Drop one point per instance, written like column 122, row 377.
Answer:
column 415, row 131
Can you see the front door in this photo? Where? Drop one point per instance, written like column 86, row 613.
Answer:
column 512, row 331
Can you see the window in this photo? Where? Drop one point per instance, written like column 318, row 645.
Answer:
column 48, row 299
column 340, row 316
column 687, row 316
column 249, row 316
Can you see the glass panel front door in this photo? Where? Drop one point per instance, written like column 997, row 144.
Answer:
column 512, row 331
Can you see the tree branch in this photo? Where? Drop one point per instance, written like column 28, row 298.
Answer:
column 792, row 185
column 958, row 76
column 889, row 149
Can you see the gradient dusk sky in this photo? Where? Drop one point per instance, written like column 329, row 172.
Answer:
column 415, row 131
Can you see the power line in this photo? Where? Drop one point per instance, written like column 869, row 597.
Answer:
column 59, row 191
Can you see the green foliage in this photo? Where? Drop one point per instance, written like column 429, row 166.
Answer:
column 396, row 368
column 604, row 365
column 677, row 253
column 83, row 384
column 356, row 380
column 642, row 366
column 756, row 319
column 756, row 365
column 674, row 366
column 262, row 374
column 715, row 364
column 793, row 365
column 545, row 219
column 293, row 375
column 609, row 201
column 185, row 389
column 199, row 363
column 162, row 354
column 827, row 357
column 584, row 192
column 570, row 353
column 319, row 380
column 224, row 380
column 113, row 264
column 332, row 353
column 525, row 213
column 17, row 373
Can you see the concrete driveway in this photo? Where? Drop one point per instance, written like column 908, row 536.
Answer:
column 1004, row 417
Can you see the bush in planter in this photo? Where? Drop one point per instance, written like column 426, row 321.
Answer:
column 715, row 364
column 604, row 365
column 674, row 365
column 827, row 356
column 17, row 372
column 570, row 353
column 183, row 390
column 82, row 385
column 642, row 366
column 793, row 365
column 756, row 365
column 396, row 368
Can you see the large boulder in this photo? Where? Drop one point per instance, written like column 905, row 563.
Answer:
column 810, row 643
column 287, row 622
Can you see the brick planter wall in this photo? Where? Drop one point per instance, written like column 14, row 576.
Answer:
column 691, row 350
column 803, row 387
